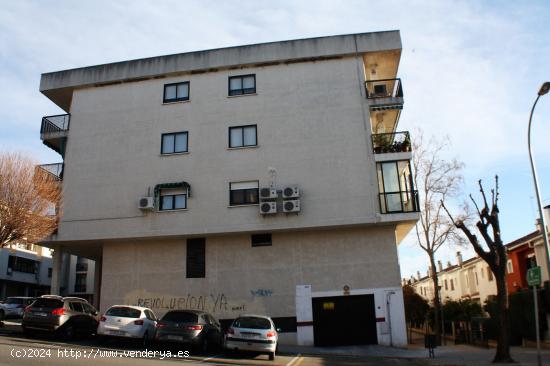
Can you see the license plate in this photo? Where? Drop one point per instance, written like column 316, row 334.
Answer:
column 41, row 314
column 117, row 332
column 174, row 338
column 248, row 336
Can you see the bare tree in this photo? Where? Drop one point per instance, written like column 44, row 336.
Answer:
column 437, row 180
column 488, row 226
column 27, row 196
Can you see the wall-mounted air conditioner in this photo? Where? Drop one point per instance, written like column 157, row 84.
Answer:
column 268, row 208
column 268, row 193
column 291, row 206
column 146, row 203
column 291, row 192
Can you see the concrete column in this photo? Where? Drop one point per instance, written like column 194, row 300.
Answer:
column 97, row 282
column 57, row 275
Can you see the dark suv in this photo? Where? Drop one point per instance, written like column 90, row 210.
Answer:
column 64, row 315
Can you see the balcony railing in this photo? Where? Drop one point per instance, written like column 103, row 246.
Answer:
column 56, row 170
column 57, row 123
column 385, row 88
column 399, row 202
column 396, row 142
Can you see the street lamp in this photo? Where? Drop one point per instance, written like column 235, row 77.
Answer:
column 542, row 91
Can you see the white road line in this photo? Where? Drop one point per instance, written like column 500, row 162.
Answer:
column 209, row 358
column 291, row 362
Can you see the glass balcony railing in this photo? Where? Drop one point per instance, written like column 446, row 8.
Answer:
column 399, row 202
column 385, row 88
column 56, row 170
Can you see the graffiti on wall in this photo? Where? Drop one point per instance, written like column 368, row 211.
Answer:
column 261, row 292
column 213, row 303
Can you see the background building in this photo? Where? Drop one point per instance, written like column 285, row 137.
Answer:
column 266, row 178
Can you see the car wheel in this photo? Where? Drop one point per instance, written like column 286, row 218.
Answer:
column 271, row 356
column 68, row 332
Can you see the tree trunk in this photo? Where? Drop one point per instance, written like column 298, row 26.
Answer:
column 503, row 336
column 437, row 302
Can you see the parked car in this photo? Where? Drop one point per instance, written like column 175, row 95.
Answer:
column 256, row 333
column 64, row 315
column 128, row 322
column 196, row 328
column 14, row 307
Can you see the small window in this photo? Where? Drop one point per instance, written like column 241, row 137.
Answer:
column 243, row 193
column 80, row 282
column 489, row 274
column 172, row 199
column 176, row 92
column 243, row 84
column 174, row 143
column 243, row 136
column 196, row 258
column 477, row 280
column 510, row 266
column 446, row 288
column 260, row 240
column 452, row 285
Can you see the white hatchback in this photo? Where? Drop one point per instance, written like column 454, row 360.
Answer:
column 129, row 322
column 255, row 333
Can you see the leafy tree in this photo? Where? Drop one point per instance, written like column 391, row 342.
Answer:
column 416, row 307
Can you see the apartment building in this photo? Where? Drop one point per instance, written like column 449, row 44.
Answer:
column 266, row 178
column 25, row 270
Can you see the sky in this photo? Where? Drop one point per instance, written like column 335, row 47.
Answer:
column 470, row 71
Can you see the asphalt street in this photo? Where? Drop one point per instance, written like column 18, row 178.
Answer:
column 17, row 350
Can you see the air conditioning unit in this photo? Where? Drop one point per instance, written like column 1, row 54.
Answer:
column 146, row 203
column 291, row 192
column 268, row 208
column 268, row 193
column 291, row 206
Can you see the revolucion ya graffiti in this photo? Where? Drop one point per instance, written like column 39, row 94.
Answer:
column 213, row 303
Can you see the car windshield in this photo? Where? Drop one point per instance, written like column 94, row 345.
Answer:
column 47, row 303
column 124, row 312
column 181, row 316
column 252, row 323
column 14, row 300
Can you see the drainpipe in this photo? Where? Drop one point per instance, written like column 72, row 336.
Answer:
column 388, row 295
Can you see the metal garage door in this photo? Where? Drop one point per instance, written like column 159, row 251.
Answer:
column 344, row 320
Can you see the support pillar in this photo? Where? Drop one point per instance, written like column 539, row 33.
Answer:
column 57, row 275
column 97, row 282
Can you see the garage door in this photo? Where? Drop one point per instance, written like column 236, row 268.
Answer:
column 344, row 320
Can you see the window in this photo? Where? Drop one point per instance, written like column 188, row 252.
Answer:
column 446, row 288
column 477, row 281
column 395, row 186
column 124, row 312
column 243, row 136
column 482, row 272
column 510, row 266
column 452, row 285
column 243, row 84
column 489, row 274
column 76, row 306
column 174, row 143
column 260, row 240
column 81, row 264
column 243, row 193
column 172, row 199
column 50, row 272
column 176, row 92
column 89, row 308
column 18, row 264
column 196, row 258
column 80, row 282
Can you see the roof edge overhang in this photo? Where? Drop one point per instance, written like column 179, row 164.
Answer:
column 58, row 86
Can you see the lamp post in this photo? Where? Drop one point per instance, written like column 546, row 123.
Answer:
column 542, row 91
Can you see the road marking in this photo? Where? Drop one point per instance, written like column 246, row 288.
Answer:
column 209, row 358
column 291, row 362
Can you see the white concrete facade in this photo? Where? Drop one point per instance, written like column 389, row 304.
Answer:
column 314, row 126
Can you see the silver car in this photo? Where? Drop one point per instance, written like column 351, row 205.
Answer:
column 14, row 307
column 129, row 322
column 255, row 333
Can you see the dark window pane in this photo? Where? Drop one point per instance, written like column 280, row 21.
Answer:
column 47, row 303
column 252, row 323
column 76, row 306
column 196, row 258
column 251, row 196
column 181, row 317
column 124, row 312
column 237, row 197
column 259, row 240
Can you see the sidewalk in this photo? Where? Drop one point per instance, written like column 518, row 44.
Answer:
column 450, row 355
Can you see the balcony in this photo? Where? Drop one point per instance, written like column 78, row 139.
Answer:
column 56, row 170
column 396, row 142
column 54, row 131
column 399, row 202
column 384, row 94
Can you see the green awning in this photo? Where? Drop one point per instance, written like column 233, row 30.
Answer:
column 183, row 185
